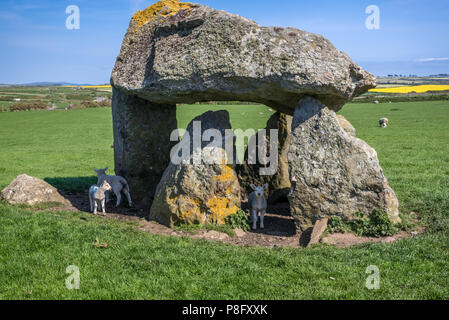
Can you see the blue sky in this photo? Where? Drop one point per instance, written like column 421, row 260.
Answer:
column 36, row 46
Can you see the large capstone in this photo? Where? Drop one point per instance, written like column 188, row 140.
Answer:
column 177, row 52
column 250, row 171
column 199, row 186
column 332, row 171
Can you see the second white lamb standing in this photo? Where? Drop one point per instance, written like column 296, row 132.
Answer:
column 257, row 203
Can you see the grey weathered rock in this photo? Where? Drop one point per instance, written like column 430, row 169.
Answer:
column 183, row 53
column 318, row 229
column 279, row 183
column 239, row 232
column 199, row 192
column 141, row 142
column 335, row 173
column 29, row 190
column 346, row 125
column 215, row 235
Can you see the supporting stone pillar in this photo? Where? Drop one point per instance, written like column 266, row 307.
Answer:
column 279, row 183
column 334, row 173
column 141, row 142
column 202, row 189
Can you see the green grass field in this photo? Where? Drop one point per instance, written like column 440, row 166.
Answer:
column 63, row 148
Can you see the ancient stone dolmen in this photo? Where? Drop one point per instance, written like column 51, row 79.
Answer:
column 177, row 53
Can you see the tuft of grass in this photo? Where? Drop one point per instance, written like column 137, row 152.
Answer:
column 376, row 224
column 39, row 206
column 409, row 222
column 47, row 205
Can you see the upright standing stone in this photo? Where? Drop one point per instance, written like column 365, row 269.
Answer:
column 204, row 191
column 141, row 142
column 279, row 182
column 346, row 125
column 335, row 172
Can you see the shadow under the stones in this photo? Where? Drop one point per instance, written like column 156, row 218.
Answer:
column 277, row 221
column 305, row 237
column 72, row 184
column 76, row 191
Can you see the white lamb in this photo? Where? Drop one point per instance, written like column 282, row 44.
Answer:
column 97, row 196
column 257, row 203
column 117, row 183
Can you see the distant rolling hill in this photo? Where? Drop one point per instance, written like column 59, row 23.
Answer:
column 50, row 84
column 44, row 84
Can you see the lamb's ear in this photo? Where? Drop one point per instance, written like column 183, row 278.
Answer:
column 253, row 187
column 265, row 186
column 106, row 169
column 96, row 170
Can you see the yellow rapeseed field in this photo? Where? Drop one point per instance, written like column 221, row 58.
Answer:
column 417, row 89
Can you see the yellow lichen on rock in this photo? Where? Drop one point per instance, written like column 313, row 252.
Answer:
column 191, row 212
column 221, row 207
column 160, row 10
column 198, row 195
column 227, row 174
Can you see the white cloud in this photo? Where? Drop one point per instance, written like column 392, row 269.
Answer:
column 433, row 59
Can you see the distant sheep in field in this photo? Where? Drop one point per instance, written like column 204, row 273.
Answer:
column 117, row 183
column 383, row 122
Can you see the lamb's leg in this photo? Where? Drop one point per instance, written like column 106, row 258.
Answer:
column 130, row 203
column 119, row 197
column 91, row 204
column 254, row 218
column 103, row 206
column 95, row 206
column 262, row 215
